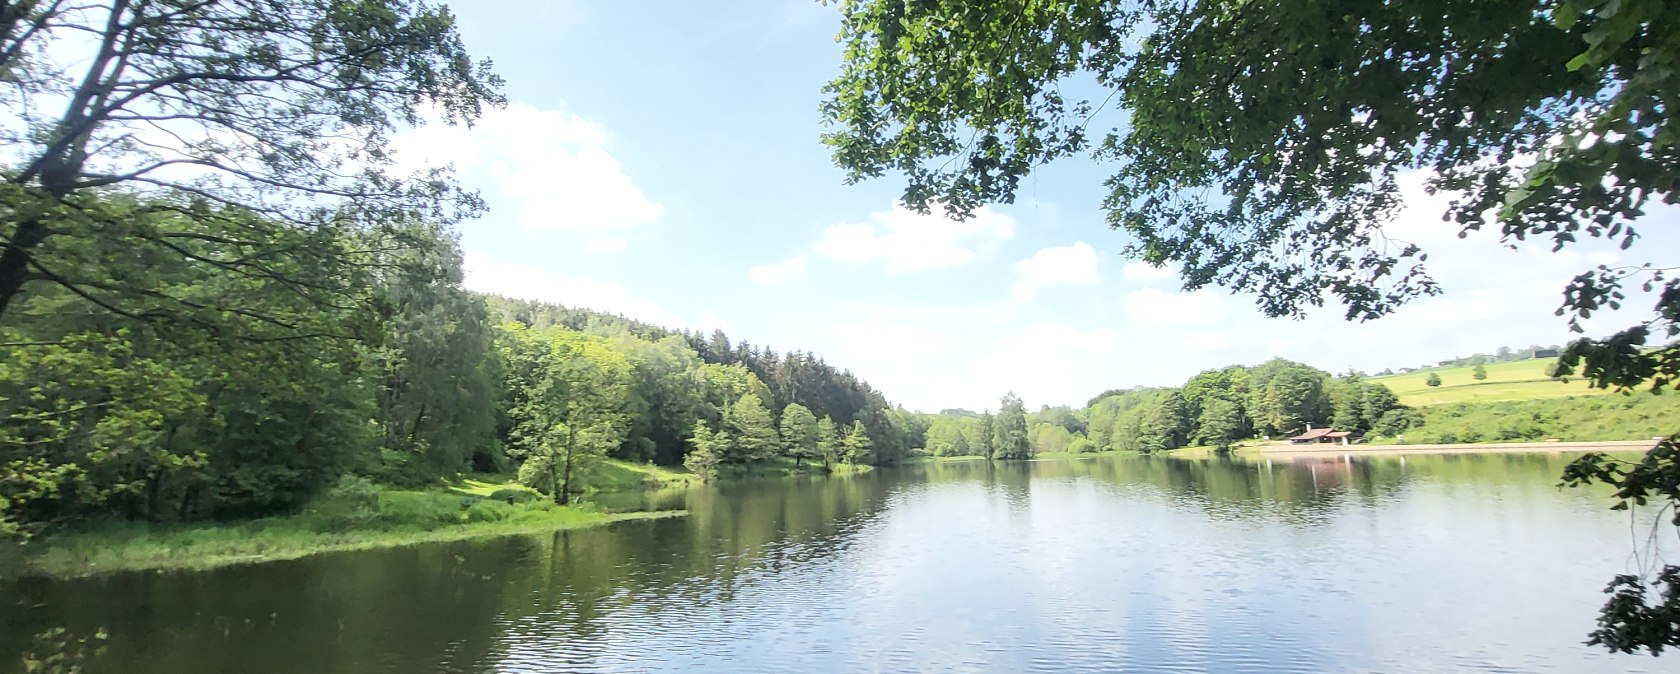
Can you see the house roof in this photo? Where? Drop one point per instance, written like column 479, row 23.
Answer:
column 1313, row 434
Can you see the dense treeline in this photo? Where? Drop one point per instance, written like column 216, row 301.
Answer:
column 1214, row 408
column 675, row 367
column 186, row 387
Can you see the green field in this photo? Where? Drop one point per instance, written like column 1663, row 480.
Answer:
column 1515, row 380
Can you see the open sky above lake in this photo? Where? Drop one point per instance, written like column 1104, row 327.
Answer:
column 666, row 164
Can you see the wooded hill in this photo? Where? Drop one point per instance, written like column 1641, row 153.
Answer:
column 228, row 367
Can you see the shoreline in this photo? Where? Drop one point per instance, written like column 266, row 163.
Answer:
column 1291, row 451
column 176, row 550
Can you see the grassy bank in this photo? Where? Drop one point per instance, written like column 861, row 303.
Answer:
column 1515, row 380
column 1638, row 416
column 782, row 466
column 339, row 521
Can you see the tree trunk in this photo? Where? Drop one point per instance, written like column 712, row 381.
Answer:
column 554, row 479
column 154, row 494
column 14, row 261
column 565, row 493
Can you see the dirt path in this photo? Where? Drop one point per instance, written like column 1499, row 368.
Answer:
column 1485, row 448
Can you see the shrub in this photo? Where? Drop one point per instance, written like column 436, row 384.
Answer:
column 422, row 508
column 514, row 496
column 352, row 501
column 487, row 510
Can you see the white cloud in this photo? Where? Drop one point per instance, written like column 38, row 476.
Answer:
column 909, row 241
column 1157, row 308
column 535, row 283
column 1143, row 271
column 778, row 271
column 711, row 321
column 601, row 246
column 553, row 166
column 1047, row 363
column 1074, row 265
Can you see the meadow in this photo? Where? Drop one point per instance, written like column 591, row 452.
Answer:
column 1514, row 380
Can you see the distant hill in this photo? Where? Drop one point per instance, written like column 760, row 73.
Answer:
column 1515, row 380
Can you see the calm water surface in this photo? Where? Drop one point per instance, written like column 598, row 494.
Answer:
column 1431, row 564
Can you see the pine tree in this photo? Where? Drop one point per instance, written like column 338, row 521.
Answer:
column 828, row 442
column 988, row 427
column 704, row 458
column 857, row 445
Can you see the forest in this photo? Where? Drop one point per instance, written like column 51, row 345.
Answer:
column 214, row 375
column 221, row 391
column 1214, row 408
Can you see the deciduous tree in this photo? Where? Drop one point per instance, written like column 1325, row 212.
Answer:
column 223, row 109
column 1010, row 441
column 799, row 432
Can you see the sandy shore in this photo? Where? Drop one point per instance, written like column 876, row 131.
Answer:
column 1484, row 448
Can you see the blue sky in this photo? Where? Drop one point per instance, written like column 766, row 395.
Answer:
column 666, row 165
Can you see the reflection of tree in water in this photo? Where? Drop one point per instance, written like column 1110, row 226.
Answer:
column 1301, row 491
column 651, row 578
column 421, row 608
column 1013, row 481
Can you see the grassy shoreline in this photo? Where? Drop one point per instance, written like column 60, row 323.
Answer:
column 342, row 521
column 138, row 547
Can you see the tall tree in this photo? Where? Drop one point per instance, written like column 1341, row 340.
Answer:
column 799, row 432
column 858, row 447
column 1166, row 424
column 222, row 108
column 828, row 442
column 707, row 451
column 571, row 406
column 436, row 393
column 1220, row 423
column 1010, row 441
column 988, row 435
column 752, row 429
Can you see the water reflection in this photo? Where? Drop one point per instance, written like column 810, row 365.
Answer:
column 1140, row 563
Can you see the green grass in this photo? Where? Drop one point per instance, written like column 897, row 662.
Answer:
column 929, row 458
column 616, row 475
column 1514, row 380
column 1063, row 456
column 1639, row 416
column 782, row 466
column 328, row 525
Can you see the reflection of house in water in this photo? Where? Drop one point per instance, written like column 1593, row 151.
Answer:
column 1322, row 436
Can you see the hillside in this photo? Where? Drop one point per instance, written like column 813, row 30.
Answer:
column 1515, row 380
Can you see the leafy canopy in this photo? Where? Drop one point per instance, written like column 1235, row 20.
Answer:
column 1259, row 146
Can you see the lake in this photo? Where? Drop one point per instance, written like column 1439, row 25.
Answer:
column 1425, row 564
